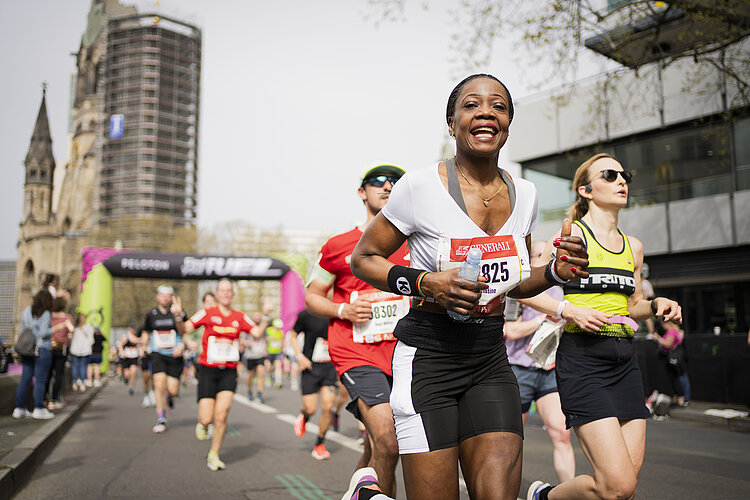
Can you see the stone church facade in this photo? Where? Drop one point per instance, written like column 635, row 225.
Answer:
column 154, row 58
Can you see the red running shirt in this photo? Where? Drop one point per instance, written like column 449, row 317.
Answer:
column 335, row 257
column 221, row 327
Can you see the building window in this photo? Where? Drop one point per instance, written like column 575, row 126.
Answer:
column 742, row 152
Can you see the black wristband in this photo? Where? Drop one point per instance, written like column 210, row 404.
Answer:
column 653, row 306
column 403, row 280
column 550, row 274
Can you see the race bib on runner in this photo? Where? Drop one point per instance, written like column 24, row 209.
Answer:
column 505, row 263
column 130, row 352
column 320, row 351
column 256, row 349
column 222, row 350
column 164, row 339
column 387, row 309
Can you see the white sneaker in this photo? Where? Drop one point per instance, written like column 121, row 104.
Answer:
column 88, row 383
column 152, row 397
column 97, row 383
column 365, row 474
column 42, row 414
column 21, row 413
column 146, row 401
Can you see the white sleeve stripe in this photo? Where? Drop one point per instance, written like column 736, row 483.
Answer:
column 320, row 274
column 198, row 316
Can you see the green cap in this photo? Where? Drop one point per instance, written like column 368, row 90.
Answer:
column 384, row 169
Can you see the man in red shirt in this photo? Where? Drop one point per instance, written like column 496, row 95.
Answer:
column 361, row 348
column 217, row 373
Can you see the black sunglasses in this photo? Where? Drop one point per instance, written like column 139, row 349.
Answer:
column 380, row 180
column 610, row 175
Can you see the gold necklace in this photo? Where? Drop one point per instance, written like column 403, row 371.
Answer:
column 485, row 200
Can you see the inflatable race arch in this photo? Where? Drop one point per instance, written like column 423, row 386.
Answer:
column 101, row 265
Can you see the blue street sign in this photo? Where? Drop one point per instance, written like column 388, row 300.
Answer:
column 115, row 126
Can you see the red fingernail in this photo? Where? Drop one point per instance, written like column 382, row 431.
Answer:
column 557, row 240
column 573, row 270
column 564, row 257
column 556, row 243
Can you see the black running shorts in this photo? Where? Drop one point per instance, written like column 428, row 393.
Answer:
column 440, row 399
column 168, row 364
column 598, row 377
column 128, row 362
column 215, row 379
column 320, row 375
column 251, row 363
column 367, row 383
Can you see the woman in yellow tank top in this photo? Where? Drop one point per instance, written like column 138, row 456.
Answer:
column 600, row 384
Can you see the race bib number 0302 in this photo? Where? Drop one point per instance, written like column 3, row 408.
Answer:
column 387, row 309
column 505, row 263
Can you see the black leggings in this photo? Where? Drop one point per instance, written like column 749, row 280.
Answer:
column 56, row 376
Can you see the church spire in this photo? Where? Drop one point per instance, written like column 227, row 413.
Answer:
column 40, row 167
column 40, row 148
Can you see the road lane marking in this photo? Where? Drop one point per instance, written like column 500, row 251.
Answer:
column 302, row 488
column 331, row 435
column 334, row 436
column 255, row 406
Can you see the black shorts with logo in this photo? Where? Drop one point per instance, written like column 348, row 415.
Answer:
column 320, row 375
column 367, row 383
column 168, row 364
column 215, row 379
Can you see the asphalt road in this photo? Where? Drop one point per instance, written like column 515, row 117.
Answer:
column 110, row 452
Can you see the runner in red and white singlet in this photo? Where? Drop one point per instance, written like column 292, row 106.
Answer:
column 217, row 373
column 360, row 334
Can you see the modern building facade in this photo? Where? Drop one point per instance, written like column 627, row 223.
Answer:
column 686, row 137
column 135, row 108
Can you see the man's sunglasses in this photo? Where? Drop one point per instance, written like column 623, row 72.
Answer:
column 380, row 180
column 610, row 175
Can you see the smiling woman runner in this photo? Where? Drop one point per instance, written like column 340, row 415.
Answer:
column 600, row 384
column 454, row 395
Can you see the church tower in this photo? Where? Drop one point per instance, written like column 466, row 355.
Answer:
column 40, row 168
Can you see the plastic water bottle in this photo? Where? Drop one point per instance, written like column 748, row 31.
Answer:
column 470, row 271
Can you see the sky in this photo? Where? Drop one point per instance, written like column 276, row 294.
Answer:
column 297, row 99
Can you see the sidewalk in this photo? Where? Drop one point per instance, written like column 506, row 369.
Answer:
column 24, row 443
column 732, row 417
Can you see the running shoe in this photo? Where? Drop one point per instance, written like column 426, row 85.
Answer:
column 42, row 414
column 294, row 385
column 259, row 399
column 250, row 396
column 201, row 432
column 161, row 426
column 146, row 401
column 96, row 384
column 320, row 452
column 131, row 391
column 213, row 461
column 536, row 488
column 88, row 383
column 152, row 397
column 210, row 431
column 21, row 413
column 365, row 477
column 299, row 426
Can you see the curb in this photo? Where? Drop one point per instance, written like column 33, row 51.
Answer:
column 737, row 424
column 17, row 466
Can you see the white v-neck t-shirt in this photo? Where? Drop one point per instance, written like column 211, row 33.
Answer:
column 424, row 211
